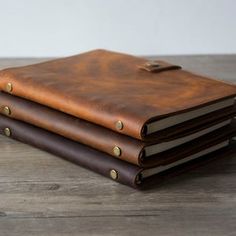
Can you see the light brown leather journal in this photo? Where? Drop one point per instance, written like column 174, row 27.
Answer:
column 124, row 93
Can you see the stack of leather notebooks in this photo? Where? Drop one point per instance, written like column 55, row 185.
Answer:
column 125, row 117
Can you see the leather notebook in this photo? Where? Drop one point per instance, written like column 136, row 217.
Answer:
column 102, row 163
column 141, row 153
column 124, row 93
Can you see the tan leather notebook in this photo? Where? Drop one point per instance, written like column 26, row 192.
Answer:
column 127, row 94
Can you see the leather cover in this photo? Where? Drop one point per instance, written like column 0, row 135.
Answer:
column 104, row 87
column 77, row 153
column 98, row 137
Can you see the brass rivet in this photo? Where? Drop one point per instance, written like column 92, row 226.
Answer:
column 119, row 125
column 7, row 132
column 116, row 151
column 114, row 174
column 9, row 87
column 7, row 111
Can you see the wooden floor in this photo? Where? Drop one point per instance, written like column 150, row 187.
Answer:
column 41, row 194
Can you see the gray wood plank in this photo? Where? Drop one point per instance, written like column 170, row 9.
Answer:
column 41, row 194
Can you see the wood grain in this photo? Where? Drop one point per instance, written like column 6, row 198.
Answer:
column 41, row 194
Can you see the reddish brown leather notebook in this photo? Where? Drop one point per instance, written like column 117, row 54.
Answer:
column 113, row 168
column 124, row 93
column 117, row 145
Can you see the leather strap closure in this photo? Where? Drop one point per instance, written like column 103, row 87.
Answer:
column 158, row 66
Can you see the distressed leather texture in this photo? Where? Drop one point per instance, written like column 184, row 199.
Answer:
column 72, row 151
column 88, row 157
column 96, row 136
column 103, row 87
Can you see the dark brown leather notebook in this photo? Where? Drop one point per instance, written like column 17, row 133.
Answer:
column 117, row 145
column 124, row 93
column 102, row 163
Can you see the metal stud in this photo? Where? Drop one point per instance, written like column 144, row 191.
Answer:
column 7, row 111
column 114, row 174
column 119, row 125
column 117, row 151
column 7, row 132
column 9, row 87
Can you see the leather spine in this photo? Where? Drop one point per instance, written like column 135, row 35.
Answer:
column 72, row 151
